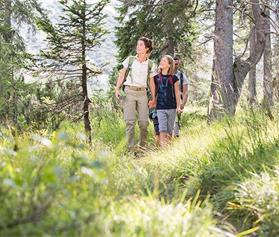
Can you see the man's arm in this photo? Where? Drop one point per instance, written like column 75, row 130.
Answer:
column 177, row 97
column 185, row 95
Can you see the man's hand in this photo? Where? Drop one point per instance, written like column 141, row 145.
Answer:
column 179, row 110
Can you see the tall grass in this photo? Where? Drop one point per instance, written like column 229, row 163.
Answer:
column 212, row 181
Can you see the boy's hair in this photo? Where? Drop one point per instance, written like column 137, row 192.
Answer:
column 171, row 63
column 148, row 43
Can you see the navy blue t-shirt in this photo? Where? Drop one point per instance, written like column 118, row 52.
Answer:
column 165, row 91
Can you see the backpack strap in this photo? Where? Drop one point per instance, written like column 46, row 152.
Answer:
column 150, row 65
column 130, row 63
column 149, row 68
column 181, row 81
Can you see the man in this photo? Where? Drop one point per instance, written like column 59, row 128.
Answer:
column 183, row 88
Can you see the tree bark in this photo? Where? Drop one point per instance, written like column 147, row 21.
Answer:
column 170, row 50
column 86, row 101
column 222, row 84
column 276, row 61
column 267, row 81
column 8, row 38
column 241, row 66
column 228, row 79
column 252, row 96
column 169, row 47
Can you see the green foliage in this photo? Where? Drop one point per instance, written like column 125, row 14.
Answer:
column 70, row 42
column 170, row 25
column 257, row 198
column 81, row 22
column 15, row 93
column 55, row 185
column 46, row 177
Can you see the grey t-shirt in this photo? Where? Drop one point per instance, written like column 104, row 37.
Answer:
column 184, row 78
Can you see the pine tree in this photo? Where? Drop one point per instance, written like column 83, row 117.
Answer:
column 169, row 23
column 13, row 13
column 70, row 41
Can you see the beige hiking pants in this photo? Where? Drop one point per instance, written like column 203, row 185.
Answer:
column 135, row 104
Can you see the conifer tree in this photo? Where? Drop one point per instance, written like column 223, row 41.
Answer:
column 70, row 41
column 14, row 13
column 169, row 23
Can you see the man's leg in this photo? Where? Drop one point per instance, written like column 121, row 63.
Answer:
column 176, row 126
column 129, row 108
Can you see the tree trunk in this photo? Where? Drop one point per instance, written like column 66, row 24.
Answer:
column 170, row 49
column 227, row 80
column 241, row 66
column 252, row 96
column 8, row 21
column 267, row 81
column 86, row 101
column 8, row 38
column 276, row 61
column 222, row 84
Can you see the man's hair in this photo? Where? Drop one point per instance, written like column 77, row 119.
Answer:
column 148, row 43
column 177, row 57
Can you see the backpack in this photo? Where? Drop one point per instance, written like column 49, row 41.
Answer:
column 149, row 68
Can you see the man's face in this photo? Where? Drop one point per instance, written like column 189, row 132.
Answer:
column 177, row 62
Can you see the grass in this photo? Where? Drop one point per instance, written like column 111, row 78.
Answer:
column 217, row 180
